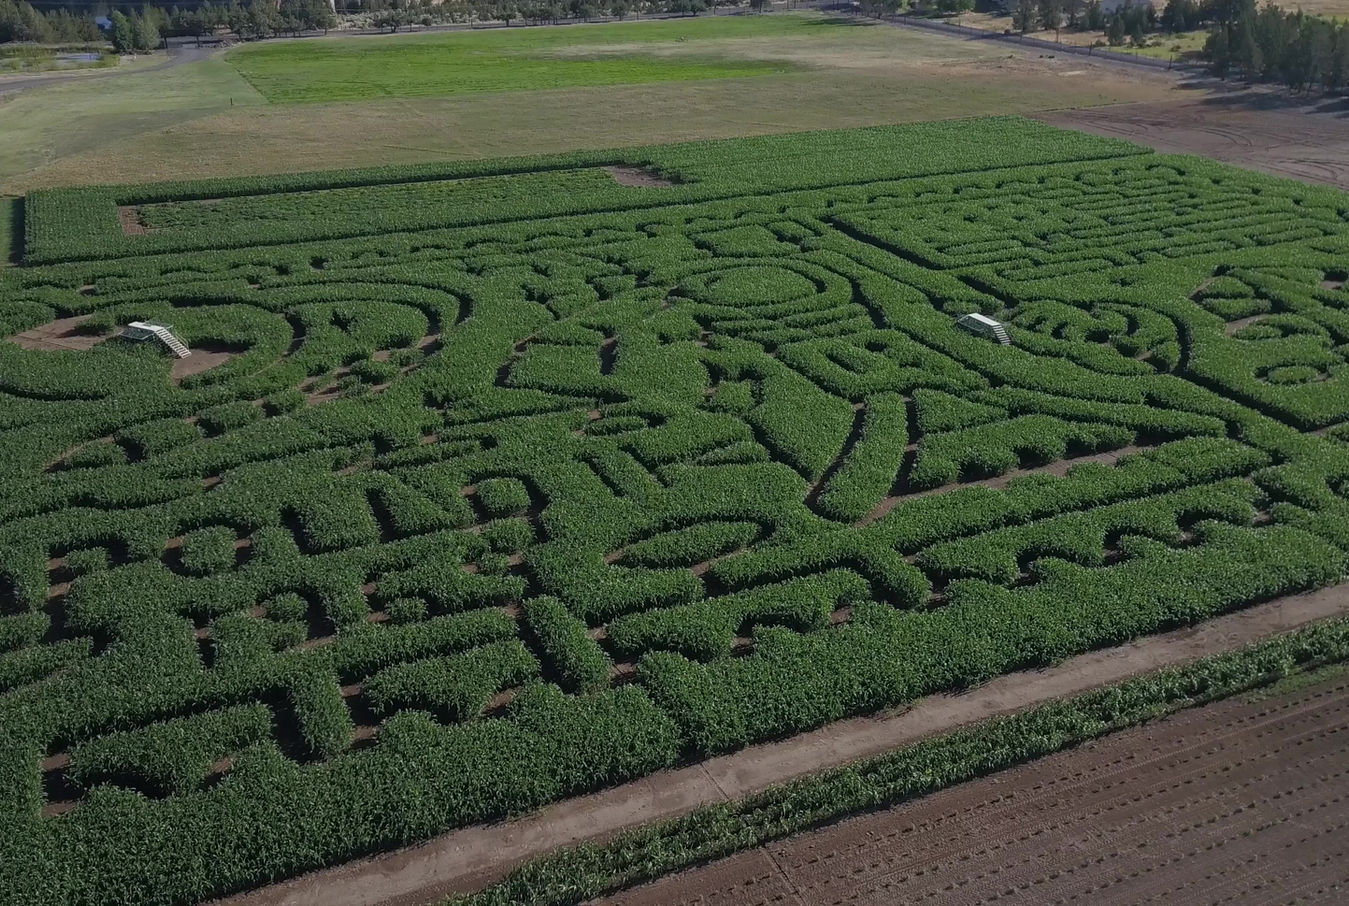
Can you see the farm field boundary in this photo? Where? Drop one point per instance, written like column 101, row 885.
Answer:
column 462, row 862
column 1256, row 129
column 203, row 118
column 443, row 521
column 84, row 223
column 1212, row 800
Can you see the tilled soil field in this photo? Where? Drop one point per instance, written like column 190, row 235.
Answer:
column 1309, row 143
column 1243, row 802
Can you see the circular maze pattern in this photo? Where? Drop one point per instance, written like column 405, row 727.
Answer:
column 444, row 522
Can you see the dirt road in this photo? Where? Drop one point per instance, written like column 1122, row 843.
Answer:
column 1236, row 803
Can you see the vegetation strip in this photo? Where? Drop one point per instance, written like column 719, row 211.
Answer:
column 580, row 873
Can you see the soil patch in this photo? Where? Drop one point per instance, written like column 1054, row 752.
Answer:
column 129, row 216
column 1240, row 801
column 638, row 177
column 470, row 858
column 61, row 334
column 1255, row 129
column 200, row 360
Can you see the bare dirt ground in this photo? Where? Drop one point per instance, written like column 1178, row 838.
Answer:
column 129, row 217
column 200, row 360
column 1260, row 130
column 64, row 334
column 470, row 858
column 1242, row 802
column 60, row 334
column 638, row 177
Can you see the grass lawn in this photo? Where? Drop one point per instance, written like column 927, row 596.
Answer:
column 433, row 65
column 204, row 119
column 88, row 112
column 1164, row 47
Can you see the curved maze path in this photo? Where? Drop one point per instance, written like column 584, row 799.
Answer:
column 563, row 501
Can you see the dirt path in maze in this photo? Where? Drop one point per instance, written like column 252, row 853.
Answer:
column 472, row 857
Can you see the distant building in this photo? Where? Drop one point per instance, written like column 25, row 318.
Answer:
column 103, row 23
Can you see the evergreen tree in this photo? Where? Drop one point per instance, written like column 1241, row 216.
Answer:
column 1114, row 32
column 1218, row 51
column 1095, row 16
column 1051, row 15
column 122, row 34
column 1024, row 18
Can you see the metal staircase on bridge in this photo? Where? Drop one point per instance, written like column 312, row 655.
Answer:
column 144, row 330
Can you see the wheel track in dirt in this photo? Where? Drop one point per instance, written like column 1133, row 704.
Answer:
column 1239, row 803
column 1093, row 803
column 1096, row 806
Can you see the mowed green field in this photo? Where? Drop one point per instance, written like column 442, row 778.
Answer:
column 509, row 59
column 492, row 483
column 205, row 119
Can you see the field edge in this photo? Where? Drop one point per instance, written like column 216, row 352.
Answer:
column 574, row 875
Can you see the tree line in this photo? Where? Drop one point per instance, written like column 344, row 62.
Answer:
column 1266, row 43
column 1274, row 45
column 140, row 27
column 21, row 21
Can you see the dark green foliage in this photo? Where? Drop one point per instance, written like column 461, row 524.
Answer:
column 502, row 496
column 285, row 607
column 152, row 438
column 208, row 550
column 91, row 456
column 283, row 401
column 707, row 629
column 871, row 467
column 564, row 640
column 470, row 456
column 170, row 757
column 92, row 560
column 371, row 371
column 687, row 546
column 228, row 416
column 505, row 535
column 456, row 688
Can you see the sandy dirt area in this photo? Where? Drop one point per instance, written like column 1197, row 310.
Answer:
column 1258, row 130
column 60, row 334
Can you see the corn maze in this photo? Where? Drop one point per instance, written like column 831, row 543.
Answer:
column 490, row 484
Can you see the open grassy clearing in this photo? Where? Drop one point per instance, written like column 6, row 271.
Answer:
column 440, row 64
column 841, row 77
column 508, row 481
column 1331, row 9
column 94, row 111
